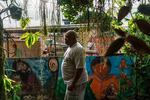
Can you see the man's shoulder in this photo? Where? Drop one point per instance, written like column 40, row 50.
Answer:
column 78, row 47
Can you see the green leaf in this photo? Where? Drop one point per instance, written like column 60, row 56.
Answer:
column 26, row 41
column 25, row 35
column 7, row 84
column 34, row 39
column 24, row 22
column 36, row 36
column 30, row 40
column 15, row 97
column 17, row 88
column 37, row 33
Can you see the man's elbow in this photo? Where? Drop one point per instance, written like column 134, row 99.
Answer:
column 79, row 70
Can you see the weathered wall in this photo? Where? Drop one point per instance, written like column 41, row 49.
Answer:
column 40, row 76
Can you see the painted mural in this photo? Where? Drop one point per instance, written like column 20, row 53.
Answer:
column 107, row 87
column 38, row 76
column 41, row 77
column 104, row 80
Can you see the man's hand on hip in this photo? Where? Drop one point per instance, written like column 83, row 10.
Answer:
column 71, row 87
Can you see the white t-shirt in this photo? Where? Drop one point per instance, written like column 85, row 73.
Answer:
column 74, row 58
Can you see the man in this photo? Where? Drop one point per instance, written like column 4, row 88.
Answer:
column 73, row 69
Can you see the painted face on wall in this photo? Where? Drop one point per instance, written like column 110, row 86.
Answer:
column 102, row 69
column 22, row 67
column 123, row 64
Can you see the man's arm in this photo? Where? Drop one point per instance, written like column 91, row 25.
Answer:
column 76, row 78
column 79, row 64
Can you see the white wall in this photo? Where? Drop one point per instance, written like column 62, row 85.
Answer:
column 33, row 12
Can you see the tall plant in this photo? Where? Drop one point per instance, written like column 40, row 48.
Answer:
column 73, row 8
column 15, row 13
column 134, row 38
column 29, row 37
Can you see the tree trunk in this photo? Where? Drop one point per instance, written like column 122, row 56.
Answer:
column 2, row 89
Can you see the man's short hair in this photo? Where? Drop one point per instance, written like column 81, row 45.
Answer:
column 71, row 33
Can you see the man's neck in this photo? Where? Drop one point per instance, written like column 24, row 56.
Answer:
column 72, row 44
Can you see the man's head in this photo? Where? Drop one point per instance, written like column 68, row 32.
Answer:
column 70, row 38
